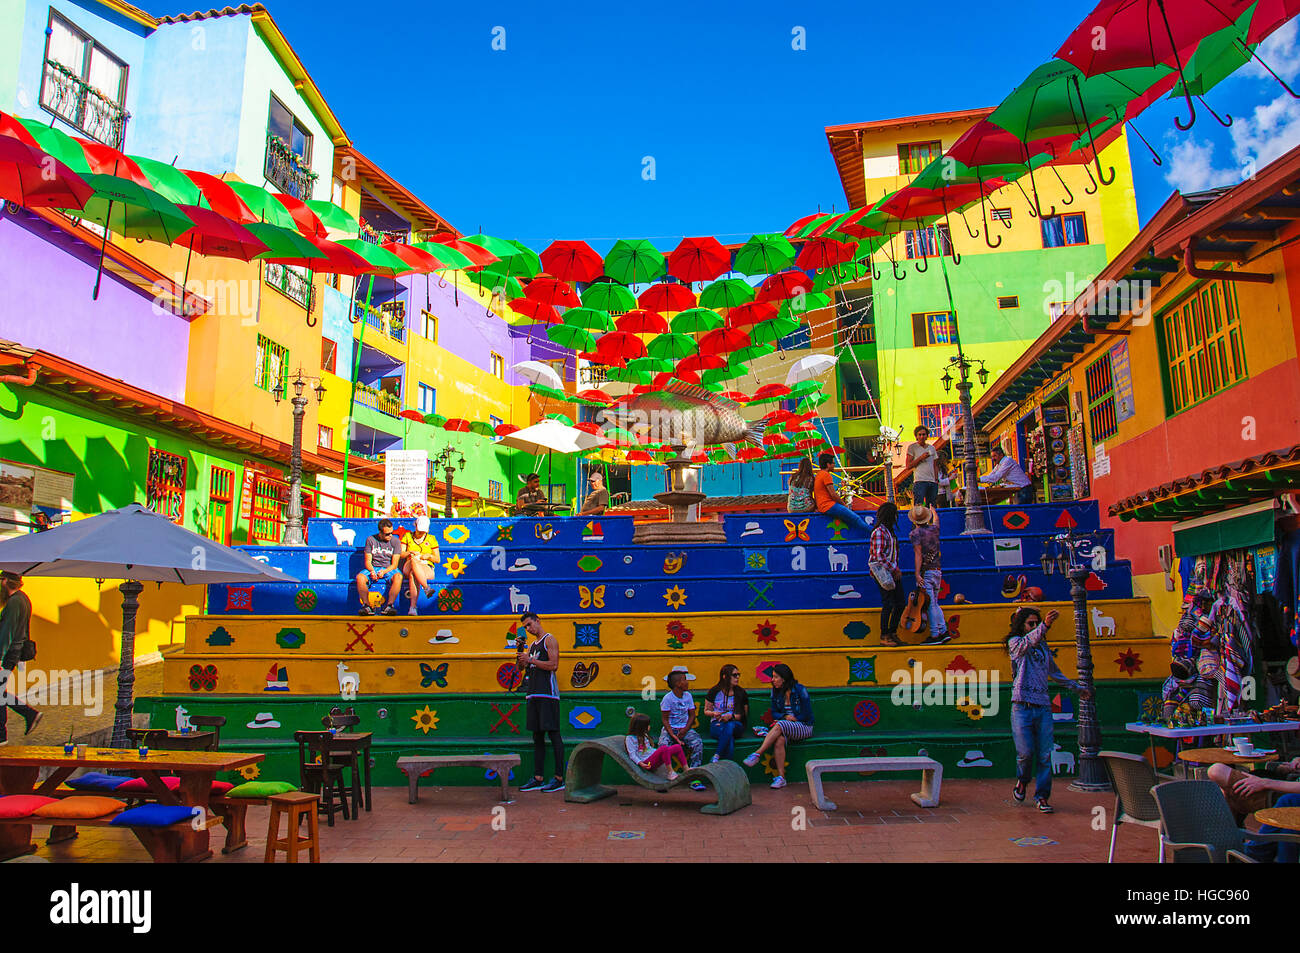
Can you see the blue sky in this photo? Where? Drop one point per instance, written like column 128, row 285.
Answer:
column 549, row 137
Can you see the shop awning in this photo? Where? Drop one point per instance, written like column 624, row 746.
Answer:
column 1252, row 480
column 1239, row 528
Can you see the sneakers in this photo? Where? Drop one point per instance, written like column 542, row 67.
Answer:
column 713, row 760
column 533, row 784
column 1043, row 806
column 411, row 611
column 673, row 775
column 761, row 731
column 35, row 720
column 390, row 610
column 428, row 590
column 553, row 785
column 699, row 786
column 779, row 782
column 750, row 761
column 937, row 639
column 1018, row 792
column 365, row 610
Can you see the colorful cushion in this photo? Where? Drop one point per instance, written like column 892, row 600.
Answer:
column 155, row 815
column 94, row 781
column 20, row 805
column 221, row 787
column 82, row 806
column 261, row 789
column 140, row 786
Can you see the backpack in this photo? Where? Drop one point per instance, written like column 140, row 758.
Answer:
column 27, row 653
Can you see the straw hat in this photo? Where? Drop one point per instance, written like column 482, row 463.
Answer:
column 921, row 515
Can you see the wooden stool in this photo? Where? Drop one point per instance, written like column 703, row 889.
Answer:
column 297, row 804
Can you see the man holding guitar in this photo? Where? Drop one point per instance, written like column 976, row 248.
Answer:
column 929, row 576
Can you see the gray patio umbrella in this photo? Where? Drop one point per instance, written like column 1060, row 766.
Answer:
column 137, row 545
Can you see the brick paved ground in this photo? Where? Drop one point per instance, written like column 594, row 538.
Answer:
column 876, row 822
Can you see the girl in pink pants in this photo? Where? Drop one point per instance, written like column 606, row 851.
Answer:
column 644, row 752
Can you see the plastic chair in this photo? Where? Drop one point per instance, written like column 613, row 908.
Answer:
column 1199, row 827
column 1132, row 777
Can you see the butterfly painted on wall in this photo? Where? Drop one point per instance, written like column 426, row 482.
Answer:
column 593, row 597
column 433, row 676
column 795, row 530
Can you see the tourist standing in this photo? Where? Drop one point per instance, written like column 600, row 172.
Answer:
column 382, row 550
column 1032, row 667
column 929, row 572
column 922, row 461
column 828, row 501
column 799, row 498
column 542, row 696
column 792, row 720
column 15, row 636
column 883, row 563
column 727, row 708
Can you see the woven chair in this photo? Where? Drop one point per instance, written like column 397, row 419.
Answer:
column 1199, row 827
column 1132, row 777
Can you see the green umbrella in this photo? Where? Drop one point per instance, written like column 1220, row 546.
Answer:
column 264, row 205
column 633, row 261
column 58, row 144
column 435, row 420
column 516, row 260
column 773, row 330
column 497, row 246
column 839, row 274
column 385, row 262
column 720, row 374
column 494, row 284
column 551, row 392
column 169, row 182
column 1217, row 57
column 568, row 421
column 629, row 375
column 765, row 255
column 589, row 319
column 283, row 242
column 813, row 224
column 650, row 366
column 747, row 354
column 482, row 428
column 566, row 335
column 805, row 388
column 812, row 402
column 812, row 301
column 670, row 347
column 727, row 293
column 1048, row 102
column 609, row 296
column 332, row 216
column 695, row 320
column 449, row 256
column 524, row 262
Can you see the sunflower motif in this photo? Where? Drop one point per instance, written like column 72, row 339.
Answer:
column 757, row 561
column 1129, row 662
column 250, row 772
column 766, row 632
column 770, row 769
column 454, row 566
column 426, row 720
column 675, row 597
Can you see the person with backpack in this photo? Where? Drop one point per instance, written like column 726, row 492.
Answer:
column 16, row 646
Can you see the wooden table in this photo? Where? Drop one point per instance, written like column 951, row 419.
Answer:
column 1179, row 735
column 1287, row 818
column 1222, row 756
column 355, row 743
column 20, row 768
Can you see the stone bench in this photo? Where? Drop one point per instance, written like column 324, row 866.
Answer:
column 931, row 776
column 417, row 766
column 582, row 780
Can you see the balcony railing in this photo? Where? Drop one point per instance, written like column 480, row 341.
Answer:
column 72, row 99
column 862, row 334
column 291, row 283
column 855, row 410
column 378, row 237
column 388, row 319
column 380, row 400
column 593, row 375
column 287, row 169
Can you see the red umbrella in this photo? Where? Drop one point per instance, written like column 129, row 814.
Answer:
column 780, row 415
column 1269, row 16
column 553, row 291
column 105, row 160
column 699, row 362
column 413, row 415
column 913, row 202
column 825, row 253
column 751, row 453
column 479, row 255
column 735, row 395
column 784, row 285
column 418, row 259
column 773, row 439
column 809, row 443
column 642, row 321
column 753, row 312
column 797, row 227
column 456, row 425
column 849, row 224
column 667, row 298
column 596, row 396
column 221, row 198
column 589, row 427
column 308, row 222
column 505, row 430
column 639, row 456
column 723, row 341
column 699, row 259
column 531, row 308
column 34, row 179
column 620, row 346
column 681, row 374
column 338, row 260
column 214, row 234
column 771, row 390
column 572, row 261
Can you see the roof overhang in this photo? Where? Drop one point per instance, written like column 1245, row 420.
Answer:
column 422, row 216
column 1252, row 480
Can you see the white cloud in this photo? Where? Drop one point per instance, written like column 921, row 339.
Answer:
column 1281, row 52
column 1268, row 133
column 1189, row 167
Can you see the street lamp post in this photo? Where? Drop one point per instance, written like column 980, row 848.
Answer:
column 970, row 461
column 886, row 442
column 1061, row 552
column 449, row 468
column 293, row 532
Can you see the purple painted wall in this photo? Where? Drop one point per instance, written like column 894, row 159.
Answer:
column 47, row 279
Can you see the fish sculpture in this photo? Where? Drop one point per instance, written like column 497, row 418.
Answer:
column 682, row 415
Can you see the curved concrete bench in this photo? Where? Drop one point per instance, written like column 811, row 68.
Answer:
column 582, row 779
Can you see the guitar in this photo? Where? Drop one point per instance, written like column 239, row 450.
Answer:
column 914, row 617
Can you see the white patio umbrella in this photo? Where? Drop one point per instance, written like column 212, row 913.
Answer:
column 137, row 545
column 808, row 368
column 551, row 436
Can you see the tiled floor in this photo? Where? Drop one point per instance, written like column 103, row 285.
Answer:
column 876, row 821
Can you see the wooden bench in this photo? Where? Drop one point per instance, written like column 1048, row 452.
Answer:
column 931, row 776
column 417, row 766
column 582, row 780
column 232, row 811
column 156, row 840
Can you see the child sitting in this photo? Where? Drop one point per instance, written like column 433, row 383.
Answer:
column 642, row 750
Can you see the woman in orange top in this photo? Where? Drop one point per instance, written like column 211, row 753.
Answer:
column 828, row 501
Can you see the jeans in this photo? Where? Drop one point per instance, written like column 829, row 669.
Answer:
column 1031, row 727
column 891, row 608
column 691, row 740
column 924, row 491
column 726, row 732
column 8, row 701
column 931, row 581
column 841, row 512
column 1270, row 852
column 1025, row 495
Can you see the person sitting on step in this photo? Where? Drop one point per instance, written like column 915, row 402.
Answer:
column 792, row 720
column 382, row 550
column 830, row 503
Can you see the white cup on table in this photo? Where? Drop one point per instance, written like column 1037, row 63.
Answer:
column 1243, row 746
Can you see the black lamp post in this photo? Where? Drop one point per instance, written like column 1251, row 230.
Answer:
column 1061, row 553
column 293, row 534
column 970, row 460
column 885, row 444
column 449, row 467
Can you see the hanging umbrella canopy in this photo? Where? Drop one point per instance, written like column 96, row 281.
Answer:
column 634, row 261
column 853, row 226
column 551, row 436
column 746, row 354
column 572, row 261
column 478, row 255
column 303, row 217
column 449, row 256
column 667, row 298
column 800, row 304
column 800, row 224
column 590, row 319
column 414, row 415
column 728, row 293
column 1218, row 56
column 1145, row 32
column 534, row 310
column 755, row 312
column 825, row 252
column 723, row 341
column 330, row 257
column 133, row 211
column 555, row 292
column 214, row 234
column 809, row 368
column 617, row 347
column 538, row 373
column 785, row 285
column 263, row 204
column 421, row 261
column 765, row 255
column 482, row 428
column 169, row 181
column 773, row 330
column 35, row 179
column 641, row 321
column 496, row 285
column 332, row 216
column 696, row 320
column 456, row 425
column 218, row 195
column 609, row 296
column 699, row 259
column 574, row 338
column 381, row 261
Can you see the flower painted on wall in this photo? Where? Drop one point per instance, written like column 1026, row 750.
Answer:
column 678, row 635
column 675, row 597
column 766, row 632
column 454, row 566
column 1129, row 662
column 203, row 678
column 425, row 719
column 450, row 600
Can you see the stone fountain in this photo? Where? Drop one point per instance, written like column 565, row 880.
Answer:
column 682, row 493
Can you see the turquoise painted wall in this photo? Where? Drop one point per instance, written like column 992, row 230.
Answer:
column 11, row 46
